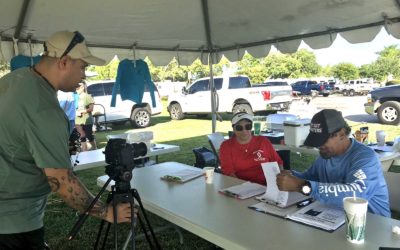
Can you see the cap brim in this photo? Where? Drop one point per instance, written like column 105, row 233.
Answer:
column 237, row 119
column 315, row 140
column 92, row 60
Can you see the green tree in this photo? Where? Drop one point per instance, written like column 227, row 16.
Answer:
column 198, row 70
column 326, row 71
column 345, row 71
column 388, row 62
column 308, row 61
column 282, row 66
column 4, row 68
column 108, row 71
column 253, row 68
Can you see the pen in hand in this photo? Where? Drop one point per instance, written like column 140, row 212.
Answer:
column 304, row 203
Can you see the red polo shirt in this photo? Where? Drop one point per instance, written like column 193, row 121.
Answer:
column 244, row 160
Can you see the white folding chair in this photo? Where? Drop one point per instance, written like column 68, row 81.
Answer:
column 392, row 181
column 215, row 140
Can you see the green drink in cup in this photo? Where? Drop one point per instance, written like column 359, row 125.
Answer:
column 355, row 209
column 257, row 124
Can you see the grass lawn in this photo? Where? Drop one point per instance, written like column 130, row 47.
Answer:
column 188, row 134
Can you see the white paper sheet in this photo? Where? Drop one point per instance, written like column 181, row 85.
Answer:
column 273, row 194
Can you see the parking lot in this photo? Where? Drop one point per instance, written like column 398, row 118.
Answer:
column 352, row 107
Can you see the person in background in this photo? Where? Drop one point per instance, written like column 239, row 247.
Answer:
column 67, row 103
column 34, row 157
column 241, row 156
column 84, row 118
column 344, row 168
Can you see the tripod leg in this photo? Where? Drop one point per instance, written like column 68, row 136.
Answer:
column 115, row 213
column 146, row 234
column 136, row 195
column 106, row 236
column 99, row 234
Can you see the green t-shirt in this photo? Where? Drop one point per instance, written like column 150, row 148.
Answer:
column 84, row 101
column 34, row 135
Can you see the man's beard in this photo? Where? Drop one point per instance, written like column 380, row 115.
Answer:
column 325, row 155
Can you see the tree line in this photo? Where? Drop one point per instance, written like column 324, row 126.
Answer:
column 302, row 64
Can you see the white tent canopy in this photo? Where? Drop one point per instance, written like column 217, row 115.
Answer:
column 190, row 29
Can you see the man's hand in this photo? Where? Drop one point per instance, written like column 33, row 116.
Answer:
column 288, row 182
column 75, row 194
column 123, row 213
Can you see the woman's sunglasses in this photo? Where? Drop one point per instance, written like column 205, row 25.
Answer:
column 247, row 127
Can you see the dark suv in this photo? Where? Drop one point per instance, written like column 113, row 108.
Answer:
column 385, row 102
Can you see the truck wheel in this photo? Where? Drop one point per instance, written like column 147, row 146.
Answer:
column 351, row 92
column 175, row 112
column 389, row 113
column 345, row 93
column 242, row 108
column 325, row 95
column 140, row 118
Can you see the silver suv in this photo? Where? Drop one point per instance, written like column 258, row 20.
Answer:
column 138, row 114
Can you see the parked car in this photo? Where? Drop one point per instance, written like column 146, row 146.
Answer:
column 329, row 86
column 307, row 87
column 272, row 83
column 385, row 102
column 234, row 94
column 138, row 114
column 358, row 86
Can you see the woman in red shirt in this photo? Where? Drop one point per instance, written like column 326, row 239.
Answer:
column 241, row 156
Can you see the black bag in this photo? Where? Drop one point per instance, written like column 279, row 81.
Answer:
column 204, row 157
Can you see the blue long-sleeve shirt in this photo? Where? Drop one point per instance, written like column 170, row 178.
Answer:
column 357, row 170
column 132, row 77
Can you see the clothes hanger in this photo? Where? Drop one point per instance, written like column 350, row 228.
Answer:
column 134, row 54
column 30, row 48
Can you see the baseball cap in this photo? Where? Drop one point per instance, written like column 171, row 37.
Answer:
column 72, row 44
column 240, row 116
column 323, row 124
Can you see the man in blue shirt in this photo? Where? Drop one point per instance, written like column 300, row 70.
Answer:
column 344, row 167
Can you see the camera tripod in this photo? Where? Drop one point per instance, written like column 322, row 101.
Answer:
column 120, row 193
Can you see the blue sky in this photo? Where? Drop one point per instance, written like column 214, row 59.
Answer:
column 358, row 54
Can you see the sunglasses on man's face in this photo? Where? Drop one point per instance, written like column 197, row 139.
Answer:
column 247, row 127
column 78, row 38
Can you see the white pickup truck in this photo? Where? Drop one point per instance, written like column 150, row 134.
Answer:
column 358, row 86
column 234, row 94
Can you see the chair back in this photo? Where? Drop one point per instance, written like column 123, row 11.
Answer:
column 392, row 181
column 216, row 140
column 285, row 156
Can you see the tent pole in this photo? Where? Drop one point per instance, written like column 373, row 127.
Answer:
column 212, row 88
column 207, row 27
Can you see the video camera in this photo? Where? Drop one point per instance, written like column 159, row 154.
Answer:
column 120, row 156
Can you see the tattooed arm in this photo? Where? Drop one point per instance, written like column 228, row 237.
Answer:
column 74, row 193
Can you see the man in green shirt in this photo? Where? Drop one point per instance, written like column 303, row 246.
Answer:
column 84, row 118
column 34, row 157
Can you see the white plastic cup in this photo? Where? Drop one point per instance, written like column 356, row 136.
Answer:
column 209, row 174
column 380, row 137
column 356, row 218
